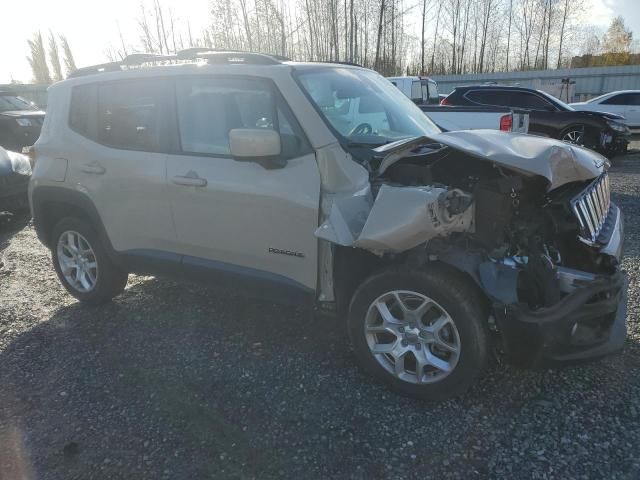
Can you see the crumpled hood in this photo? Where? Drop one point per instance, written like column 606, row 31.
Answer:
column 610, row 116
column 558, row 162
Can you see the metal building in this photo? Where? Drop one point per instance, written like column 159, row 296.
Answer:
column 589, row 82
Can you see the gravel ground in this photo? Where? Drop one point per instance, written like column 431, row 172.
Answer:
column 174, row 380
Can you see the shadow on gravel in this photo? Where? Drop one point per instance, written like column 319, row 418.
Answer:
column 11, row 225
column 178, row 381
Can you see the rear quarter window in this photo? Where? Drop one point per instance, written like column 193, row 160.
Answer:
column 133, row 115
column 130, row 115
column 83, row 111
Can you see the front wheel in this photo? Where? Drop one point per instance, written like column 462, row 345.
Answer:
column 423, row 333
column 574, row 135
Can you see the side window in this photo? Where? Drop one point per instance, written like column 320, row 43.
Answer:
column 132, row 115
column 515, row 99
column 82, row 111
column 433, row 93
column 416, row 91
column 209, row 108
column 623, row 99
column 530, row 101
column 489, row 97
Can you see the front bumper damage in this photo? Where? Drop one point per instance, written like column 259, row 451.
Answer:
column 588, row 322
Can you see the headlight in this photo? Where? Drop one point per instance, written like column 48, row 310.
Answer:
column 19, row 163
column 618, row 127
column 24, row 122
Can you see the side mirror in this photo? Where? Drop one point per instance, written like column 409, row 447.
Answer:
column 261, row 145
column 248, row 143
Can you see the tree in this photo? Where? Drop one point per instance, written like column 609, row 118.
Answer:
column 38, row 60
column 616, row 43
column 69, row 62
column 54, row 58
column 618, row 38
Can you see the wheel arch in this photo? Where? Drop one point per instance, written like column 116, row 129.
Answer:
column 352, row 266
column 52, row 204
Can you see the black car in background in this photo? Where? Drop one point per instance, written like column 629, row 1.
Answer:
column 550, row 117
column 20, row 122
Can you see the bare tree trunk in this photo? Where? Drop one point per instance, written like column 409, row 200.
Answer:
column 173, row 31
column 351, row 31
column 311, row 30
column 509, row 32
column 377, row 60
column 546, row 44
column 162, row 32
column 393, row 37
column 424, row 15
column 435, row 37
column 247, row 26
column 564, row 20
column 464, row 38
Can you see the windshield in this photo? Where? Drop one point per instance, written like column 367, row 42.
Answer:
column 556, row 101
column 12, row 102
column 363, row 107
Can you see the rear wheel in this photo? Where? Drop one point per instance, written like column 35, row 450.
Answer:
column 423, row 334
column 83, row 265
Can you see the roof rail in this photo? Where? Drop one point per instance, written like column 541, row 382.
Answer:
column 337, row 62
column 211, row 55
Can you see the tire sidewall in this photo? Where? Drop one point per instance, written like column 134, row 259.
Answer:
column 467, row 314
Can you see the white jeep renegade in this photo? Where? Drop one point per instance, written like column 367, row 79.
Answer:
column 324, row 184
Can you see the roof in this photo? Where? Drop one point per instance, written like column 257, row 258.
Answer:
column 497, row 86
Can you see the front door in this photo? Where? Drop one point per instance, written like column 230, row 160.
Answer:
column 245, row 221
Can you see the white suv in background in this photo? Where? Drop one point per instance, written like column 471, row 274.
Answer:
column 323, row 184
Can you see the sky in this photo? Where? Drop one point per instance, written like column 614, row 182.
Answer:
column 92, row 25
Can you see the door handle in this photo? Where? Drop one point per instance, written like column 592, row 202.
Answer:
column 189, row 181
column 93, row 168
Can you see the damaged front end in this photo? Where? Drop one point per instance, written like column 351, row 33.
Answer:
column 528, row 219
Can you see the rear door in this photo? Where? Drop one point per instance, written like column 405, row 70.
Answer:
column 118, row 159
column 243, row 221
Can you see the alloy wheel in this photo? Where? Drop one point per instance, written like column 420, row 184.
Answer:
column 573, row 136
column 412, row 337
column 77, row 261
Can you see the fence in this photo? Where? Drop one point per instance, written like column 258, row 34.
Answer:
column 589, row 82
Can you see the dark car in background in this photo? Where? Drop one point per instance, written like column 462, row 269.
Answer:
column 20, row 122
column 550, row 117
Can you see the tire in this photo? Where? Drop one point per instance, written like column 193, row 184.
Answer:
column 108, row 279
column 572, row 131
column 453, row 296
